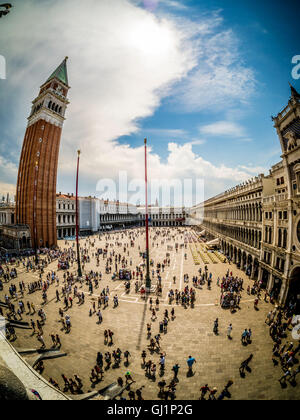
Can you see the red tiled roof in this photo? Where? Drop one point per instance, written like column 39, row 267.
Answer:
column 65, row 196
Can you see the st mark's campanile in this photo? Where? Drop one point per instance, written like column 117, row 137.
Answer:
column 36, row 187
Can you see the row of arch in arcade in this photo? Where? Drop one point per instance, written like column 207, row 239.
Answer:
column 294, row 289
column 242, row 259
column 65, row 232
column 250, row 265
column 251, row 237
column 247, row 212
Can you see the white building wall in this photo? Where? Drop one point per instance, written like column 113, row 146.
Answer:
column 88, row 214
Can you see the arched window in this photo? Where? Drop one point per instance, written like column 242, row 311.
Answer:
column 284, row 238
column 50, row 105
column 270, row 235
column 279, row 237
column 56, row 108
column 53, row 106
column 60, row 109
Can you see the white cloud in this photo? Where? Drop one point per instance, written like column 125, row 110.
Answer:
column 255, row 170
column 7, row 169
column 7, row 188
column 224, row 128
column 8, row 174
column 123, row 61
column 152, row 5
column 184, row 163
column 174, row 4
column 197, row 142
column 221, row 79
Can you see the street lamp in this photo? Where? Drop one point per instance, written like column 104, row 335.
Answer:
column 77, row 218
column 148, row 280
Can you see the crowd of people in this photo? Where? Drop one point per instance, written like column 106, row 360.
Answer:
column 113, row 259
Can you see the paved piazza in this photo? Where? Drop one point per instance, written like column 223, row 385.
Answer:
column 191, row 333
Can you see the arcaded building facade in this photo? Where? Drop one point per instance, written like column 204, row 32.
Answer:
column 163, row 216
column 37, row 177
column 258, row 222
column 65, row 215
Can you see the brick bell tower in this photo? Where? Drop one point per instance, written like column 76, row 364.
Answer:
column 36, row 186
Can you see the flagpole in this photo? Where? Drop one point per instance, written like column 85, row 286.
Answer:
column 77, row 219
column 148, row 280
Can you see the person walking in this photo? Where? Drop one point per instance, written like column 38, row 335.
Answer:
column 204, row 390
column 153, row 372
column 131, row 395
column 212, row 394
column 175, row 369
column 144, row 355
column 293, row 375
column 190, row 362
column 58, row 341
column 139, row 394
column 33, row 326
column 162, row 385
column 216, row 326
column 53, row 339
column 126, row 355
column 244, row 336
column 173, row 314
column 229, row 330
column 99, row 359
column 148, row 367
column 245, row 364
column 110, row 333
column 268, row 318
column 287, row 372
column 162, row 362
column 105, row 336
column 128, row 377
column 100, row 318
column 41, row 340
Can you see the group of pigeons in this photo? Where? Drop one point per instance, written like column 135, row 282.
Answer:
column 5, row 9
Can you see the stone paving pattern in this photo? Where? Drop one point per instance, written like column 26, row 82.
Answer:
column 218, row 358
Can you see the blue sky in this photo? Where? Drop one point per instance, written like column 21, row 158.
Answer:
column 199, row 79
column 268, row 38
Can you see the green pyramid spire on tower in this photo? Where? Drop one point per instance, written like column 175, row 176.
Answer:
column 61, row 73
